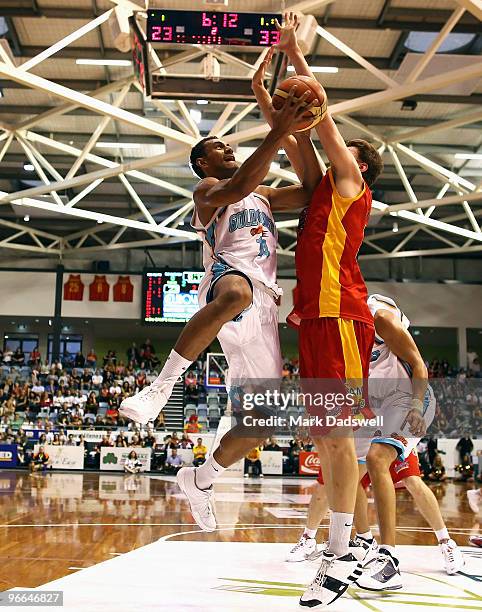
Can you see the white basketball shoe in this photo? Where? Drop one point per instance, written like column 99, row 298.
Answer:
column 200, row 500
column 453, row 557
column 305, row 550
column 370, row 548
column 333, row 578
column 381, row 573
column 148, row 403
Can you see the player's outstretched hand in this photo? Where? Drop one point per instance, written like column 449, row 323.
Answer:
column 287, row 119
column 287, row 32
column 416, row 422
column 257, row 85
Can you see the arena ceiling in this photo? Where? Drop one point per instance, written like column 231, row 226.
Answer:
column 90, row 165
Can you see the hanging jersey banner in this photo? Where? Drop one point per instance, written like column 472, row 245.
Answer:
column 123, row 290
column 74, row 288
column 99, row 289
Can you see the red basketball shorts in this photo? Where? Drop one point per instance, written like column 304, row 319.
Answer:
column 334, row 358
column 399, row 470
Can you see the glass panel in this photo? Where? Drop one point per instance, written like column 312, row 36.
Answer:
column 11, row 343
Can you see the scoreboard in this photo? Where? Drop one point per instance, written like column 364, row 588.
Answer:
column 212, row 28
column 170, row 296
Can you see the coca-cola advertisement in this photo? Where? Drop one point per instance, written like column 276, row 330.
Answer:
column 309, row 463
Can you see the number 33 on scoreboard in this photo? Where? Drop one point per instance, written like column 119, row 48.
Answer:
column 269, row 37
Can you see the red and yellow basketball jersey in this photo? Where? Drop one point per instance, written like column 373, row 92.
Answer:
column 331, row 230
column 74, row 288
column 123, row 290
column 99, row 289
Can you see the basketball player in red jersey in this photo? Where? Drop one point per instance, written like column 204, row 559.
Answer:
column 336, row 331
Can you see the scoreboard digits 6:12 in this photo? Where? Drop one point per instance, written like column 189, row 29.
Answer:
column 212, row 28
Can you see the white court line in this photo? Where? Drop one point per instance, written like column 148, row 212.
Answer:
column 172, row 535
column 253, row 527
column 228, row 526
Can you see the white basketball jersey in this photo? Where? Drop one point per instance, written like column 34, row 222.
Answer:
column 242, row 235
column 391, row 372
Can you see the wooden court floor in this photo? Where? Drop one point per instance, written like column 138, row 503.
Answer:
column 56, row 524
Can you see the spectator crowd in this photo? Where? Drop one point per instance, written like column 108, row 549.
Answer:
column 85, row 392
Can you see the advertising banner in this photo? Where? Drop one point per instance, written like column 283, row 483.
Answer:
column 64, row 457
column 8, row 455
column 309, row 463
column 33, row 434
column 113, row 458
column 90, row 435
column 272, row 462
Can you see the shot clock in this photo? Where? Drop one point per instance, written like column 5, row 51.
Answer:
column 212, row 28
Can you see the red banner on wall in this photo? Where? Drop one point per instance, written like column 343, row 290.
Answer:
column 123, row 290
column 99, row 289
column 309, row 463
column 74, row 288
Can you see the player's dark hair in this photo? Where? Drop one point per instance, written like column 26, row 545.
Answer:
column 197, row 152
column 368, row 154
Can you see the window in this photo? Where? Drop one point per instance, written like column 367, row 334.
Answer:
column 26, row 342
column 70, row 344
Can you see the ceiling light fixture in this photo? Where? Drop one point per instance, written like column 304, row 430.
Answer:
column 103, row 62
column 118, row 145
column 202, row 102
column 468, row 156
column 319, row 69
column 28, row 167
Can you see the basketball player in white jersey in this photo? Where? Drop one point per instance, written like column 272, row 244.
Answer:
column 395, row 359
column 399, row 392
column 234, row 215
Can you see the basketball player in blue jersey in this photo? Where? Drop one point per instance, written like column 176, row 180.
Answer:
column 238, row 294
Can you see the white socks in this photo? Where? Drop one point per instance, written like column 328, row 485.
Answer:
column 367, row 535
column 442, row 534
column 207, row 473
column 310, row 533
column 173, row 368
column 340, row 530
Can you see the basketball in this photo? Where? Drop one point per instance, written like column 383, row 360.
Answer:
column 313, row 114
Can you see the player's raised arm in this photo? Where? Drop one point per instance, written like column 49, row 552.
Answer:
column 298, row 196
column 298, row 148
column 349, row 167
column 213, row 193
column 264, row 102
